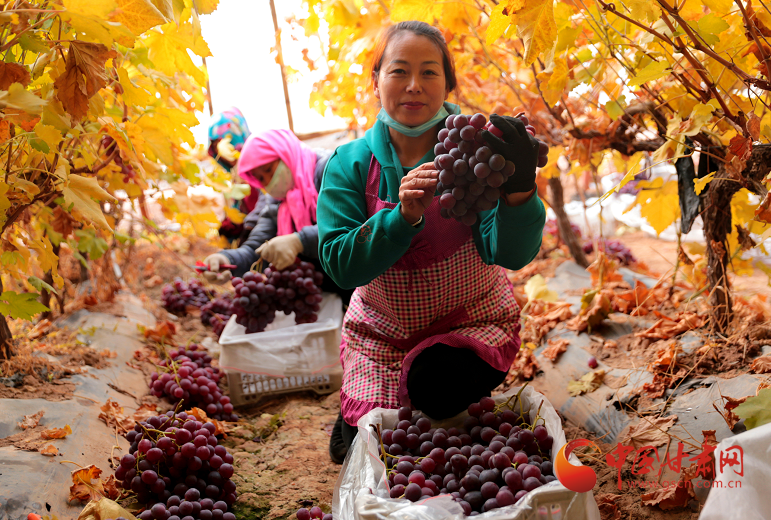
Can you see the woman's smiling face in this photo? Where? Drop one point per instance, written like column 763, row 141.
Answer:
column 411, row 84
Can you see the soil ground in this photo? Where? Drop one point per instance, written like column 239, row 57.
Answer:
column 280, row 445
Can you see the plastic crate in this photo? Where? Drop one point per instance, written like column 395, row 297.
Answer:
column 285, row 357
column 247, row 389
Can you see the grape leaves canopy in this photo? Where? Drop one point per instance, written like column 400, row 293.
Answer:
column 97, row 99
column 632, row 82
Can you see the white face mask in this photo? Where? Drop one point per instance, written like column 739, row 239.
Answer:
column 281, row 182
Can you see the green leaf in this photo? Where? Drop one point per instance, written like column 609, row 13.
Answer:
column 653, row 71
column 30, row 42
column 756, row 411
column 91, row 244
column 24, row 305
column 39, row 284
column 11, row 258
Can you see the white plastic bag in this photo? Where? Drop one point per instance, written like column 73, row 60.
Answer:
column 284, row 348
column 745, row 496
column 361, row 492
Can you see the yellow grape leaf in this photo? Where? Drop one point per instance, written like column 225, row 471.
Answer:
column 653, row 71
column 206, row 6
column 168, row 50
column 552, row 168
column 138, row 15
column 21, row 306
column 536, row 289
column 21, row 99
column 700, row 184
column 81, row 192
column 562, row 14
column 643, row 10
column 29, row 189
column 46, row 258
column 235, row 216
column 421, row 10
column 553, row 84
column 566, row 39
column 615, row 109
column 710, row 26
column 633, row 165
column 5, row 204
column 742, row 210
column 91, row 18
column 659, row 203
column 49, row 134
column 700, row 114
column 158, row 145
column 454, row 17
column 536, row 27
column 498, row 23
column 176, row 123
column 133, row 95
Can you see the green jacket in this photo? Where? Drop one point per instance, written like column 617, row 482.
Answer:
column 506, row 236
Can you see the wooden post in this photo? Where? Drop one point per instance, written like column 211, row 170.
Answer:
column 280, row 56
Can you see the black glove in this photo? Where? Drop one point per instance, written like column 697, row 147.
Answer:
column 517, row 146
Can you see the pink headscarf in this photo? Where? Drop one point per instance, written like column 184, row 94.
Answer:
column 298, row 209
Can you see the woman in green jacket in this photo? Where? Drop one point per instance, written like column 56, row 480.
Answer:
column 433, row 323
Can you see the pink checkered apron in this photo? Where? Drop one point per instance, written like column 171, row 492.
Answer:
column 440, row 291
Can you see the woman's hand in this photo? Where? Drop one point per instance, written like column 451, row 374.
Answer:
column 214, row 275
column 281, row 251
column 417, row 191
column 517, row 146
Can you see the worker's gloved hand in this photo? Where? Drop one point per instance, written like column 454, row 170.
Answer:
column 517, row 146
column 281, row 251
column 227, row 151
column 214, row 275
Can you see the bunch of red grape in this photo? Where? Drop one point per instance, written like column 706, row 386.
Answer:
column 189, row 377
column 175, row 463
column 217, row 312
column 470, row 173
column 551, row 228
column 179, row 295
column 294, row 289
column 314, row 513
column 613, row 248
column 493, row 461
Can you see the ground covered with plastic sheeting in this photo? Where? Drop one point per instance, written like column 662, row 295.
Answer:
column 625, row 357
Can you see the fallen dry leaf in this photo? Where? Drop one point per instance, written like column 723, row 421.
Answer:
column 667, row 328
column 82, row 487
column 40, row 329
column 761, row 365
column 593, row 312
column 56, row 433
column 162, row 333
column 104, row 509
column 556, row 347
column 649, row 432
column 609, row 343
column 603, row 270
column 728, row 410
column 108, row 353
column 588, row 383
column 200, row 415
column 50, row 451
column 606, row 502
column 542, row 317
column 31, row 421
column 525, row 365
column 155, row 281
column 112, row 414
column 658, row 387
column 144, row 412
column 666, row 356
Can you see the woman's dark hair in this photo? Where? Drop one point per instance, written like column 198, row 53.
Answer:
column 421, row 29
